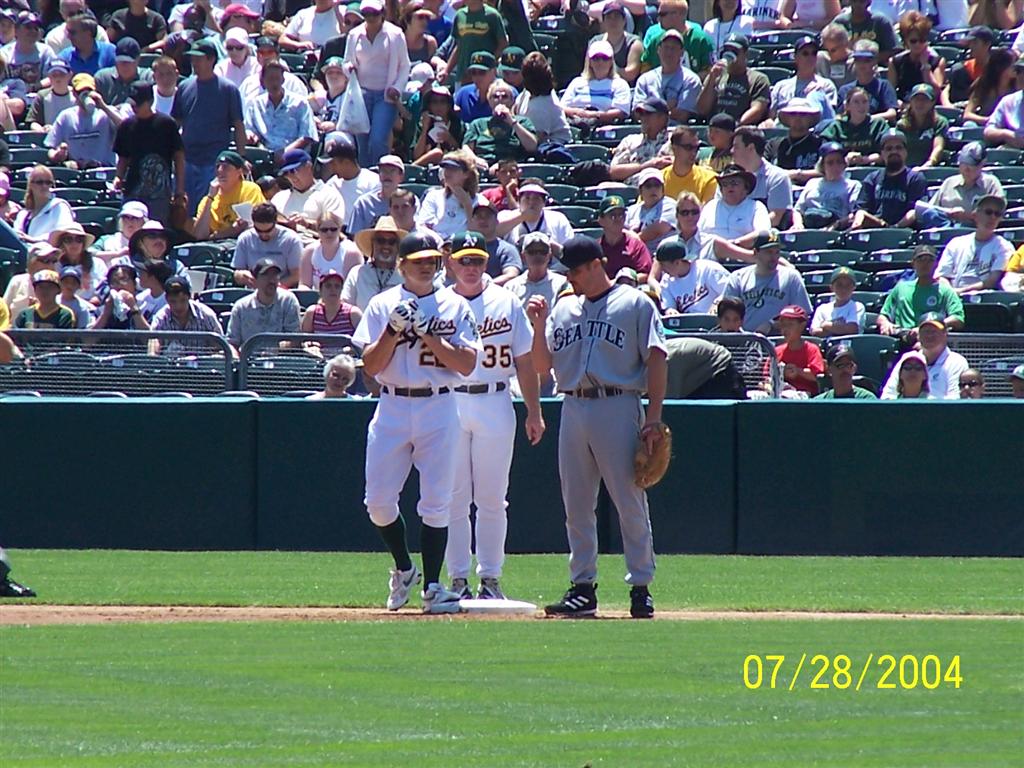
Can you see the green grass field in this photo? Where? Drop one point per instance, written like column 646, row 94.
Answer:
column 454, row 692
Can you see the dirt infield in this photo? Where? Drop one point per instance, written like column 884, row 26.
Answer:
column 27, row 614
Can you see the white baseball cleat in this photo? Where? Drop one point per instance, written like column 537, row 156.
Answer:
column 400, row 584
column 437, row 599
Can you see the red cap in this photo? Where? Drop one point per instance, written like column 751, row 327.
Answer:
column 793, row 312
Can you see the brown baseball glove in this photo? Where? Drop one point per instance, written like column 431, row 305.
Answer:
column 649, row 468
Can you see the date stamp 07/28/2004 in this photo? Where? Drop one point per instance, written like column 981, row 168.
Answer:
column 839, row 672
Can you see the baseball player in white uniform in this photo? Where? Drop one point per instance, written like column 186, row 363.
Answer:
column 418, row 342
column 487, row 419
column 607, row 346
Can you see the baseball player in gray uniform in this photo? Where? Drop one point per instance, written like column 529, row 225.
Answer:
column 607, row 346
column 417, row 342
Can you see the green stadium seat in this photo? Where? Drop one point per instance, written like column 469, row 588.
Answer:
column 988, row 318
column 879, row 279
column 774, row 74
column 562, row 194
column 1013, row 174
column 861, row 172
column 887, row 258
column 24, row 157
column 551, row 25
column 76, row 195
column 64, row 177
column 939, row 236
column 594, row 196
column 584, row 152
column 25, row 138
column 868, row 240
column 194, row 254
column 690, row 322
column 417, row 188
column 307, row 297
column 417, row 174
column 1003, row 156
column 871, row 351
column 580, row 216
column 546, row 172
column 807, row 239
column 938, row 174
column 611, row 135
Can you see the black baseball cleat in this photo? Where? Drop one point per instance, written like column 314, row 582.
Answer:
column 579, row 600
column 10, row 588
column 641, row 604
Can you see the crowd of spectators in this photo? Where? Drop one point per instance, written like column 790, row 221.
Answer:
column 239, row 124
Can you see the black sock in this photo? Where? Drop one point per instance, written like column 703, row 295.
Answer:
column 394, row 540
column 432, row 544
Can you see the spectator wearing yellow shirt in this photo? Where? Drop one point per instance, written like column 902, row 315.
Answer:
column 1013, row 279
column 5, row 316
column 216, row 219
column 684, row 175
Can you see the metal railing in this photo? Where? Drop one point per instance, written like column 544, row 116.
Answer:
column 994, row 354
column 754, row 357
column 275, row 363
column 133, row 362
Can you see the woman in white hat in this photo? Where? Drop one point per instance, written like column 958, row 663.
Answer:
column 599, row 95
column 132, row 216
column 74, row 243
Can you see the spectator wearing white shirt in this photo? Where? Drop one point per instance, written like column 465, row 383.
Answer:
column 43, row 213
column 842, row 316
column 977, row 261
column 532, row 216
column 944, row 365
column 311, row 27
column 340, row 157
column 376, row 51
column 729, row 222
column 599, row 95
column 165, row 79
column 240, row 62
column 688, row 285
column 309, row 199
column 653, row 216
column 447, row 209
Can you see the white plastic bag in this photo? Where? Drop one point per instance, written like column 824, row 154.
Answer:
column 352, row 115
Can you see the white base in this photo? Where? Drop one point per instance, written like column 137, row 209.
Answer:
column 474, row 605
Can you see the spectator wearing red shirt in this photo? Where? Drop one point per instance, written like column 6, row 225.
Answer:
column 505, row 196
column 802, row 359
column 621, row 247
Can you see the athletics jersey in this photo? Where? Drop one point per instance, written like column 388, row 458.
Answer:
column 605, row 342
column 698, row 291
column 413, row 364
column 504, row 332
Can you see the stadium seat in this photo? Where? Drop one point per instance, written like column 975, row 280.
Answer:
column 838, row 257
column 25, row 157
column 25, row 138
column 552, row 25
column 307, row 296
column 938, row 174
column 580, row 216
column 807, row 239
column 221, row 299
column 562, row 194
column 594, row 196
column 868, row 240
column 1003, row 156
column 988, row 318
column 194, row 254
column 584, row 152
column 546, row 172
column 887, row 258
column 417, row 174
column 860, row 172
column 884, row 279
column 1008, row 174
column 1014, row 193
column 545, row 43
column 611, row 135
column 871, row 350
column 106, row 218
column 962, row 134
column 939, row 236
column 64, row 177
column 690, row 322
column 76, row 195
column 417, row 188
column 774, row 74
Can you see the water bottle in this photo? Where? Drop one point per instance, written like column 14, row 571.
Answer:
column 119, row 307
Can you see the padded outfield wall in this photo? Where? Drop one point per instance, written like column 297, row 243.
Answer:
column 856, row 478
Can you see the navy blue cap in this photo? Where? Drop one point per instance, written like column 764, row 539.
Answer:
column 831, row 148
column 578, row 250
column 294, row 158
column 806, row 40
column 71, row 271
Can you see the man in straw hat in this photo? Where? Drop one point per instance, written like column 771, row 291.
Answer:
column 379, row 245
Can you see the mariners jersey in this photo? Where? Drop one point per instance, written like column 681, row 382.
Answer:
column 504, row 332
column 413, row 364
column 605, row 342
column 698, row 291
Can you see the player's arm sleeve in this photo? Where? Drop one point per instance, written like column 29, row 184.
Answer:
column 370, row 326
column 650, row 328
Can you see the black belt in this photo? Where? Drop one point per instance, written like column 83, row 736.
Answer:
column 480, row 389
column 407, row 392
column 595, row 392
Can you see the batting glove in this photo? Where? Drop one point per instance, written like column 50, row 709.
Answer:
column 420, row 322
column 401, row 317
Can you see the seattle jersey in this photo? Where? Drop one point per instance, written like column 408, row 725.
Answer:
column 605, row 342
column 413, row 364
column 504, row 332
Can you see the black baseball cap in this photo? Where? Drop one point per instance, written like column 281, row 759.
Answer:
column 671, row 249
column 736, row 43
column 652, row 105
column 141, row 93
column 578, row 250
column 204, row 47
column 724, row 121
column 339, row 144
column 264, row 265
column 839, row 351
column 981, row 33
column 806, row 40
column 177, row 284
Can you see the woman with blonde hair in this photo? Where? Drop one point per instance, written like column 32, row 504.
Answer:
column 42, row 213
column 599, row 95
column 918, row 63
column 333, row 252
column 446, row 209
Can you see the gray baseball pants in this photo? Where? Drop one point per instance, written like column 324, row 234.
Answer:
column 597, row 440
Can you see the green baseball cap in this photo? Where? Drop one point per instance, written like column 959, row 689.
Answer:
column 232, row 158
column 842, row 272
column 469, row 244
column 767, row 238
column 670, row 250
column 481, row 61
column 612, row 203
column 511, row 59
